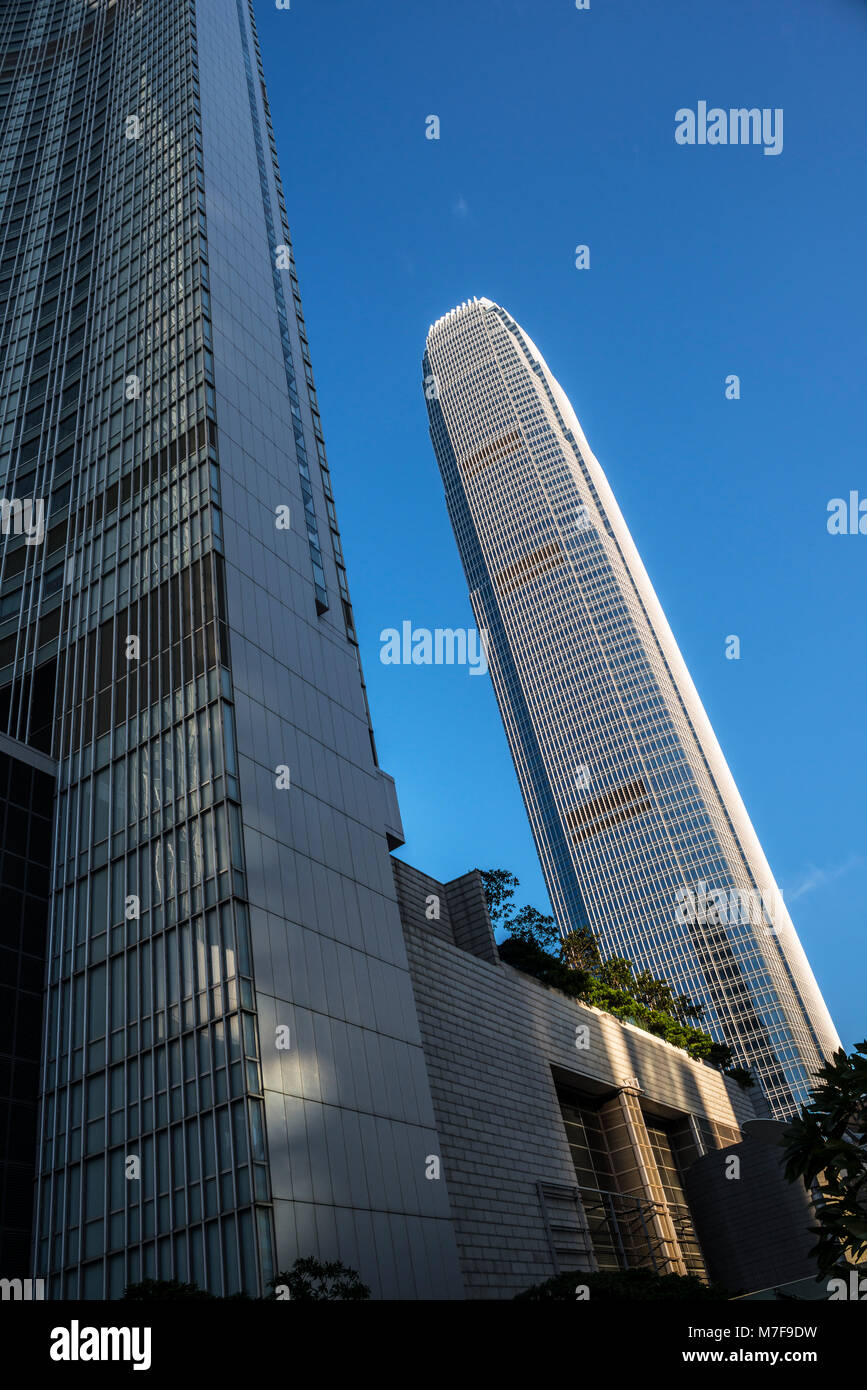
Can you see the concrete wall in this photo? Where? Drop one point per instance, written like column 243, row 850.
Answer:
column 754, row 1228
column 348, row 1111
column 491, row 1036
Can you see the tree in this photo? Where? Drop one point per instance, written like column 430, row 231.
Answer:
column 310, row 1279
column 529, row 957
column 499, row 887
column 616, row 971
column 719, row 1055
column 580, row 950
column 528, row 924
column 742, row 1075
column 525, row 923
column 826, row 1146
column 656, row 994
column 574, row 965
column 685, row 1011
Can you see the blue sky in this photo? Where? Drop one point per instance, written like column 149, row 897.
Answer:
column 557, row 129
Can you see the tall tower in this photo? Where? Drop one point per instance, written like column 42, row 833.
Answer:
column 639, row 826
column 230, row 1068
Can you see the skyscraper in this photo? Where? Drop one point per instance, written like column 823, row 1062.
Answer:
column 229, row 1073
column 640, row 829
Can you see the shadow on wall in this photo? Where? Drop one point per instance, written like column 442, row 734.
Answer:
column 753, row 1224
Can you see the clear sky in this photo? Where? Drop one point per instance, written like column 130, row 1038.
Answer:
column 557, row 129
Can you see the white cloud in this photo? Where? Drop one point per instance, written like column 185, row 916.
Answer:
column 820, row 878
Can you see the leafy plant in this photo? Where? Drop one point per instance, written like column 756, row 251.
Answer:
column 579, row 984
column 525, row 923
column 533, row 960
column 618, row 1286
column 685, row 1010
column 573, row 965
column 499, row 887
column 307, row 1279
column 826, row 1146
column 580, row 950
column 742, row 1075
column 656, row 994
column 616, row 972
column 154, row 1290
column 310, row 1279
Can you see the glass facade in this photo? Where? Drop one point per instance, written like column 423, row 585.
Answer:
column 26, row 793
column 628, row 1165
column 639, row 826
column 173, row 643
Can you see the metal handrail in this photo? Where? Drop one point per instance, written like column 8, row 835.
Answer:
column 685, row 1235
column 620, row 1211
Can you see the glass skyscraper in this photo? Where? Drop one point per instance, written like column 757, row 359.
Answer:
column 229, row 1073
column 640, row 829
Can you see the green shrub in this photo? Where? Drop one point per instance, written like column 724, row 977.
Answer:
column 310, row 1279
column 307, row 1279
column 532, row 959
column 153, row 1290
column 827, row 1142
column 626, row 1285
column 742, row 1075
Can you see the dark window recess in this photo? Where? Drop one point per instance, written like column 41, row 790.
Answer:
column 179, row 635
column 49, row 627
column 41, row 714
column 26, row 805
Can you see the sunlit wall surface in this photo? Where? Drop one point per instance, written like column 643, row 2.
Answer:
column 636, row 818
column 181, row 642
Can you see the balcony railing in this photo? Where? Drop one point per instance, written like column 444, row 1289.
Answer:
column 591, row 1228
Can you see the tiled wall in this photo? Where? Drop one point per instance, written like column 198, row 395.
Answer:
column 491, row 1037
column 349, row 1115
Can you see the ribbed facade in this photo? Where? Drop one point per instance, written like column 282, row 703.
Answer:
column 629, row 797
column 226, row 987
